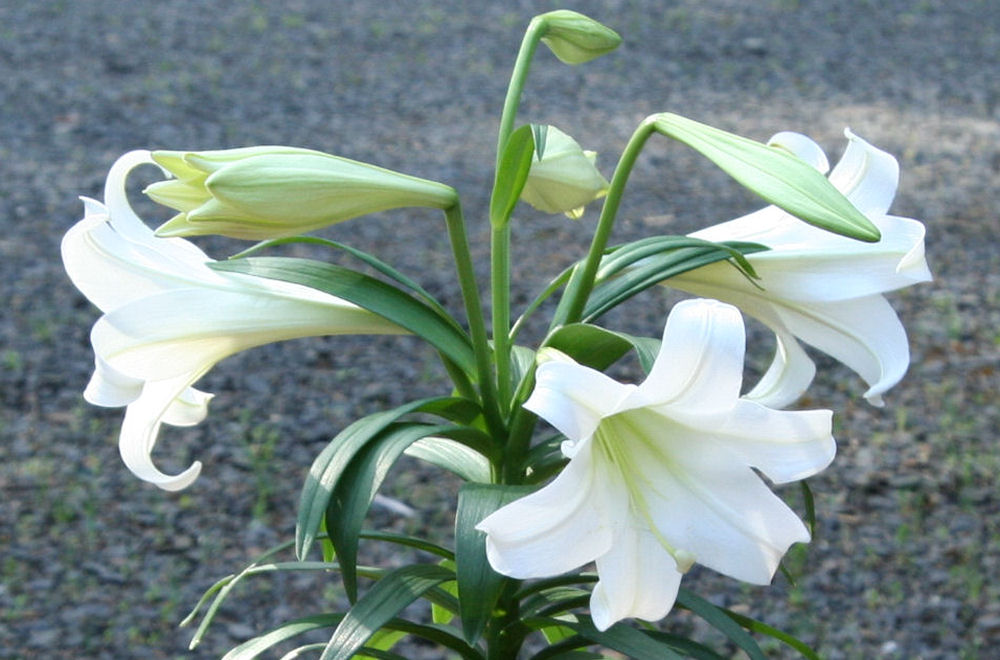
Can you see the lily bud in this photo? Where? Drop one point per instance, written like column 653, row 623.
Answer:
column 565, row 179
column 575, row 38
column 258, row 193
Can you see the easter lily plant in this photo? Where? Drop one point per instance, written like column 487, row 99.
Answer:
column 585, row 499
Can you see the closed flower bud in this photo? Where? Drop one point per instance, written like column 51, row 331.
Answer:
column 258, row 193
column 575, row 38
column 565, row 179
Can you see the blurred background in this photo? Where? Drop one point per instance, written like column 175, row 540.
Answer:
column 95, row 564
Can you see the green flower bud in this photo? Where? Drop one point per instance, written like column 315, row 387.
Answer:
column 575, row 38
column 565, row 179
column 258, row 193
column 774, row 173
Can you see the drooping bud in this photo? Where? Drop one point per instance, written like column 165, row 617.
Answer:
column 575, row 38
column 775, row 173
column 565, row 179
column 258, row 193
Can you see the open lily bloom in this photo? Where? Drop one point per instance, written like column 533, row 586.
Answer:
column 661, row 475
column 168, row 318
column 820, row 287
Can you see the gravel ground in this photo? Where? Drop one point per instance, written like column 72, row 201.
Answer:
column 98, row 565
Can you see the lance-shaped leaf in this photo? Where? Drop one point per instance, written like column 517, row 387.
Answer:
column 356, row 488
column 367, row 292
column 387, row 597
column 453, row 456
column 718, row 619
column 328, row 467
column 633, row 643
column 515, row 163
column 774, row 173
column 479, row 585
column 655, row 260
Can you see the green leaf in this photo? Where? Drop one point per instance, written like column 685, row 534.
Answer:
column 334, row 459
column 646, row 348
column 810, row 506
column 615, row 289
column 556, row 634
column 764, row 629
column 369, row 653
column 522, row 361
column 589, row 345
column 689, row 647
column 623, row 256
column 370, row 259
column 511, row 175
column 384, row 639
column 467, row 463
column 408, row 541
column 721, row 621
column 432, row 633
column 775, row 174
column 380, row 604
column 221, row 591
column 353, row 494
column 374, row 295
column 635, row 644
column 569, row 649
column 440, row 613
column 254, row 647
column 555, row 600
column 546, row 459
column 479, row 585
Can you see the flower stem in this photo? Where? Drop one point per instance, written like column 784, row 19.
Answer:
column 536, row 29
column 582, row 282
column 474, row 312
column 500, row 236
column 505, row 632
column 500, row 279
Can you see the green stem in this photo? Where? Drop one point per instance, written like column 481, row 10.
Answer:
column 500, row 236
column 582, row 282
column 505, row 633
column 474, row 312
column 500, row 279
column 536, row 29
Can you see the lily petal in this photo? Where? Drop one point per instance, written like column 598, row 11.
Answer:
column 802, row 146
column 574, row 398
column 700, row 364
column 708, row 502
column 179, row 331
column 789, row 375
column 865, row 334
column 141, row 427
column 637, row 580
column 556, row 529
column 866, row 175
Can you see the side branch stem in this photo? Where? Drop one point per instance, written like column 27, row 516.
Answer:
column 582, row 282
column 474, row 312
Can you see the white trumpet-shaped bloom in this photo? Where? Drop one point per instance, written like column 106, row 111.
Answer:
column 168, row 318
column 820, row 287
column 661, row 475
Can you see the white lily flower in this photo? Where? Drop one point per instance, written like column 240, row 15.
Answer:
column 168, row 318
column 823, row 288
column 661, row 475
